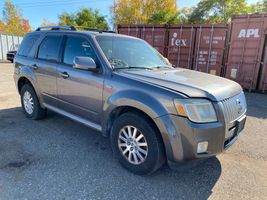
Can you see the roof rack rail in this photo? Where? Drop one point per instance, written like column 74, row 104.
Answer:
column 93, row 29
column 53, row 28
column 72, row 28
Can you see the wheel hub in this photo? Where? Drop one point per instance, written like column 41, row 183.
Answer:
column 28, row 102
column 132, row 144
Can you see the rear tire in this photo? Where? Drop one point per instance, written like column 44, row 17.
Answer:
column 133, row 133
column 30, row 103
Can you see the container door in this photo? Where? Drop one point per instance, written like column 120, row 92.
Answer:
column 209, row 49
column 180, row 46
column 262, row 80
column 246, row 46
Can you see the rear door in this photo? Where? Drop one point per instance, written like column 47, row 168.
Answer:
column 45, row 67
column 79, row 91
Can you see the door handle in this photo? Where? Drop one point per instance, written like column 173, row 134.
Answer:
column 64, row 75
column 34, row 66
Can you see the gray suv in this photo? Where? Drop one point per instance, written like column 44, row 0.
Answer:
column 123, row 88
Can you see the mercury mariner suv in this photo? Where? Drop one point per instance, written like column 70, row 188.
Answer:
column 123, row 88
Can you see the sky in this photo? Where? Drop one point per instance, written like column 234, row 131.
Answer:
column 36, row 10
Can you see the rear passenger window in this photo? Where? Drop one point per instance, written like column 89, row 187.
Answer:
column 27, row 45
column 77, row 46
column 49, row 48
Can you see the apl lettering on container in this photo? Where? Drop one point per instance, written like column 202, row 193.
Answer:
column 246, row 62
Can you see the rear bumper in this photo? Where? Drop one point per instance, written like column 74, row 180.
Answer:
column 181, row 137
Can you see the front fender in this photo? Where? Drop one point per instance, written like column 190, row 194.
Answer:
column 136, row 99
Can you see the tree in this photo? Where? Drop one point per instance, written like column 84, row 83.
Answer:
column 25, row 25
column 67, row 19
column 13, row 22
column 84, row 17
column 260, row 7
column 218, row 11
column 184, row 14
column 143, row 12
column 45, row 22
column 2, row 26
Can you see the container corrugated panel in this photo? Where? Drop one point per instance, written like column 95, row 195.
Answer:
column 4, row 46
column 131, row 30
column 7, row 43
column 262, row 80
column 210, row 48
column 156, row 36
column 246, row 49
column 181, row 45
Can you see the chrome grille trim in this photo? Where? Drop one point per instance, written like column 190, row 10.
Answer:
column 234, row 107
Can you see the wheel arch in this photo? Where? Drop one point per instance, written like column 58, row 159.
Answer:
column 118, row 111
column 22, row 81
column 132, row 100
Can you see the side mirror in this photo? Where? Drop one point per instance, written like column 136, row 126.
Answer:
column 84, row 63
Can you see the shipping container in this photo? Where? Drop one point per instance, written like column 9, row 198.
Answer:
column 238, row 54
column 209, row 49
column 132, row 30
column 181, row 45
column 246, row 62
column 155, row 36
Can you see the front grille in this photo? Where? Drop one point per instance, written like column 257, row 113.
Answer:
column 234, row 107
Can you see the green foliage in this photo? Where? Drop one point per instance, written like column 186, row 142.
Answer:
column 162, row 17
column 184, row 14
column 144, row 12
column 218, row 11
column 260, row 7
column 84, row 17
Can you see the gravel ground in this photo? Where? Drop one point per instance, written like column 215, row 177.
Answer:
column 57, row 158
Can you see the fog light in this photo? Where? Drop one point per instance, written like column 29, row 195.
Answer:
column 202, row 147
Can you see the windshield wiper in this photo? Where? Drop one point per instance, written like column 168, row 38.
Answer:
column 162, row 66
column 133, row 67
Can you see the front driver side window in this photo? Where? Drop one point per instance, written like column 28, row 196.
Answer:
column 77, row 46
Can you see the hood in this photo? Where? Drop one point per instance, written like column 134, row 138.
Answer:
column 189, row 82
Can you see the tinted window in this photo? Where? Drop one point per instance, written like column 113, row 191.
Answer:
column 49, row 48
column 27, row 44
column 77, row 46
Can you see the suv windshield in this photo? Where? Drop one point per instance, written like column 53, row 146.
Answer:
column 130, row 53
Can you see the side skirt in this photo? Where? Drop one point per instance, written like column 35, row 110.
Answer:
column 74, row 117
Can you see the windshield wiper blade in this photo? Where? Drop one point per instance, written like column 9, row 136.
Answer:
column 163, row 66
column 133, row 67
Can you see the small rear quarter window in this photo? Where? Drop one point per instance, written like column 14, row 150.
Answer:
column 27, row 45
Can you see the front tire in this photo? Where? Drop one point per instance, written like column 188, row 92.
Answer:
column 137, row 144
column 30, row 103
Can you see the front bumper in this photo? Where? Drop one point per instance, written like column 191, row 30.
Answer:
column 182, row 136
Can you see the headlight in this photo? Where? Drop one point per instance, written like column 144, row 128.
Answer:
column 197, row 110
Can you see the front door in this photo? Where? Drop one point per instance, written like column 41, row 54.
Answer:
column 79, row 91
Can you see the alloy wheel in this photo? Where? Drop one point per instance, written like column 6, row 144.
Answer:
column 133, row 145
column 28, row 102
